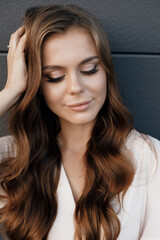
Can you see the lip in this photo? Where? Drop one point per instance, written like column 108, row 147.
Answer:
column 76, row 104
column 80, row 106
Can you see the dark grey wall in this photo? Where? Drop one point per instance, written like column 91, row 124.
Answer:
column 133, row 28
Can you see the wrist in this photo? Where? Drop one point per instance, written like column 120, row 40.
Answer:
column 11, row 93
column 8, row 99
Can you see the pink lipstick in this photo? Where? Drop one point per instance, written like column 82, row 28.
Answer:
column 79, row 106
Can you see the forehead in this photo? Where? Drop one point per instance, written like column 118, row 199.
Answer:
column 74, row 45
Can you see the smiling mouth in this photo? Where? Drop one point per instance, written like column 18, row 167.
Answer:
column 81, row 106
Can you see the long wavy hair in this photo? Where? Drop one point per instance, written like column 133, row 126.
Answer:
column 30, row 179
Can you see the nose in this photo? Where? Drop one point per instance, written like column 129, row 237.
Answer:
column 75, row 84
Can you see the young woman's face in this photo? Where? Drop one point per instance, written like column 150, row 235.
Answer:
column 73, row 81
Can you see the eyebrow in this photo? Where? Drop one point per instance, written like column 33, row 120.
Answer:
column 60, row 67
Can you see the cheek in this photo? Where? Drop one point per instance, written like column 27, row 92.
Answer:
column 100, row 85
column 51, row 94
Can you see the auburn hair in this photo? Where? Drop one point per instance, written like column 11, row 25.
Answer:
column 30, row 179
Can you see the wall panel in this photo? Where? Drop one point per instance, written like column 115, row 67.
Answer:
column 139, row 82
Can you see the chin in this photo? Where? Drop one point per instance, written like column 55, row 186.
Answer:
column 83, row 120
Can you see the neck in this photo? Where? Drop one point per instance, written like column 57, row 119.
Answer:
column 74, row 137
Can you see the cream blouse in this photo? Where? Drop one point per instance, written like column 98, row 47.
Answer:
column 140, row 215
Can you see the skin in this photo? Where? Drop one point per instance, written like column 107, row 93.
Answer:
column 17, row 71
column 68, row 51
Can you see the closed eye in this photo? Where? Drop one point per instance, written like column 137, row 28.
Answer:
column 92, row 71
column 58, row 79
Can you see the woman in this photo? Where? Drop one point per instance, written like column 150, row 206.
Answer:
column 73, row 167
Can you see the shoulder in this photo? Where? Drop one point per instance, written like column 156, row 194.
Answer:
column 7, row 147
column 142, row 144
column 142, row 198
column 145, row 154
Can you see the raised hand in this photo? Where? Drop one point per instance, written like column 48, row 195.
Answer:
column 17, row 71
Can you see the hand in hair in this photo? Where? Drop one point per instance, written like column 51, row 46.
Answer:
column 17, row 71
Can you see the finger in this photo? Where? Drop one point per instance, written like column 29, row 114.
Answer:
column 15, row 37
column 22, row 43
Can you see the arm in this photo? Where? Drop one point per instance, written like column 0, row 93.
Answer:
column 17, row 72
column 7, row 100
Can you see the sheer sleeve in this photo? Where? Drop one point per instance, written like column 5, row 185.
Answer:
column 151, row 227
column 141, row 206
column 7, row 147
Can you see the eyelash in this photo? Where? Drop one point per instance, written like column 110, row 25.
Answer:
column 92, row 71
